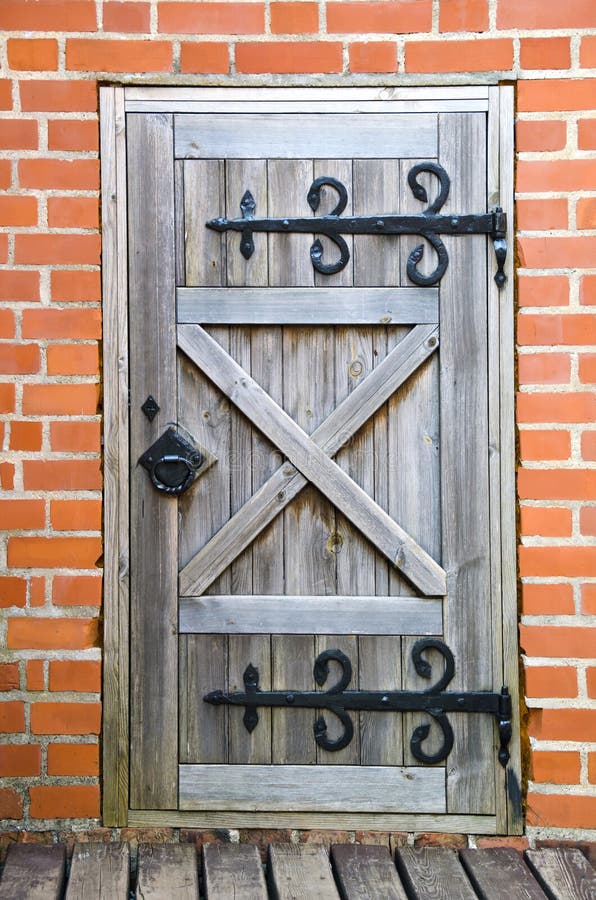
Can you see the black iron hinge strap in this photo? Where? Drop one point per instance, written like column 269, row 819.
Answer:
column 435, row 701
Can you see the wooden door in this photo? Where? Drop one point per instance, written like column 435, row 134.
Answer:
column 342, row 508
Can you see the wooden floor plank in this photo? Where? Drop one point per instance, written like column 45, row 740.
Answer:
column 33, row 872
column 300, row 872
column 563, row 872
column 99, row 870
column 500, row 872
column 166, row 871
column 364, row 871
column 433, row 873
column 233, row 870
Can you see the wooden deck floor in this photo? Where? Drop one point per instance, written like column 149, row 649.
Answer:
column 294, row 872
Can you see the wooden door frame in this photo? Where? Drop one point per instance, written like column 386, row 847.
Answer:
column 115, row 102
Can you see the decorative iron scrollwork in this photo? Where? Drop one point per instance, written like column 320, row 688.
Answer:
column 428, row 224
column 434, row 701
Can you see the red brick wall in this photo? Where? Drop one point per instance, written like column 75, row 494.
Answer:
column 53, row 53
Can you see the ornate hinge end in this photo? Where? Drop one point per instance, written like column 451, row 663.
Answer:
column 499, row 236
column 505, row 725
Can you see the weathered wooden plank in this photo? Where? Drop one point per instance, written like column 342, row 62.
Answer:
column 319, row 820
column 100, row 871
column 376, row 190
column 334, row 729
column 255, row 96
column 303, row 306
column 464, row 476
column 341, row 170
column 500, row 872
column 339, row 788
column 398, row 106
column 314, row 464
column 33, row 872
column 203, row 728
column 242, row 175
column 564, row 873
column 365, row 871
column 115, row 728
column 286, row 482
column 300, row 872
column 249, row 747
column 284, row 614
column 244, row 136
column 154, row 664
column 204, row 249
column 433, row 873
column 166, row 871
column 233, row 870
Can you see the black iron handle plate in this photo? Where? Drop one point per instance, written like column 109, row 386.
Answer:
column 172, row 463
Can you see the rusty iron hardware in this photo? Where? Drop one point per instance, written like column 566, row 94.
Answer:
column 428, row 224
column 434, row 701
column 172, row 463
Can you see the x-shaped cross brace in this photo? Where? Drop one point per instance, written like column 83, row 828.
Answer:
column 310, row 460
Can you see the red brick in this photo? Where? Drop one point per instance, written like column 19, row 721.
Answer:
column 376, row 56
column 586, row 213
column 557, row 484
column 211, row 18
column 73, row 759
column 52, row 633
column 544, row 368
column 72, row 134
column 5, row 91
column 60, row 399
column 25, row 435
column 587, row 290
column 36, row 55
column 563, row 725
column 210, row 57
column 566, row 562
column 17, row 211
column 74, row 437
column 587, row 53
column 556, row 175
column 537, row 14
column 547, row 599
column 588, row 445
column 587, row 521
column 75, row 515
column 76, row 286
column 558, row 641
column 548, row 522
column 568, row 407
column 12, row 717
column 545, row 53
column 7, row 398
column 552, row 767
column 48, row 15
column 551, row 681
column 385, row 17
column 66, row 801
column 294, row 18
column 11, row 804
column 535, row 136
column 19, row 284
column 22, row 514
column 512, row 843
column 126, row 18
column 586, row 134
column 480, row 55
column 65, row 718
column 19, row 359
column 46, row 95
column 542, row 215
column 59, row 174
column 561, row 810
column 73, row 359
column 57, row 249
column 20, row 759
column 13, row 591
column 289, row 57
column 7, row 476
column 76, row 590
column 5, row 181
column 75, row 675
column 35, row 675
column 73, row 212
column 587, row 368
column 3, row 248
column 557, row 252
column 6, row 323
column 19, row 134
column 9, row 675
column 81, row 324
column 553, row 329
column 83, row 55
column 588, row 599
column 463, row 15
column 37, row 591
column 591, row 682
column 53, row 553
column 592, row 768
column 556, row 94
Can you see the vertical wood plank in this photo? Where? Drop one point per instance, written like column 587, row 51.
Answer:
column 204, row 199
column 464, row 476
column 341, row 169
column 350, row 755
column 115, row 730
column 245, row 747
column 154, row 556
column 376, row 190
column 245, row 175
column 203, row 727
column 289, row 254
column 180, row 222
